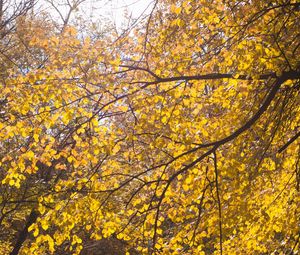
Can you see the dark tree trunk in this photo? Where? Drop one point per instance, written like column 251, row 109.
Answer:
column 23, row 234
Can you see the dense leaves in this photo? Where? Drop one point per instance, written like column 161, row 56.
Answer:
column 177, row 137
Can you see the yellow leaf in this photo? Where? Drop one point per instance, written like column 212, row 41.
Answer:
column 36, row 137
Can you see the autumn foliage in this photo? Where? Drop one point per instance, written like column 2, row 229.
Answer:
column 179, row 136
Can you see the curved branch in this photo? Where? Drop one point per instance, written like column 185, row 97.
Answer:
column 285, row 76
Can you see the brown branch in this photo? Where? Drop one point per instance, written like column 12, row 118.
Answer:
column 294, row 138
column 219, row 202
column 211, row 76
column 141, row 69
column 200, row 207
column 285, row 76
column 23, row 234
column 217, row 76
column 171, row 179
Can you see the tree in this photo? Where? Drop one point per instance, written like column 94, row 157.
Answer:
column 178, row 137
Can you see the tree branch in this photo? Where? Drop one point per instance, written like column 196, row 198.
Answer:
column 23, row 234
column 219, row 202
column 289, row 142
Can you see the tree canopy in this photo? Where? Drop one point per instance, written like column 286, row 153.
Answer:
column 179, row 135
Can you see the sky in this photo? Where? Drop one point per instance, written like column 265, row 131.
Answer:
column 134, row 7
column 114, row 10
